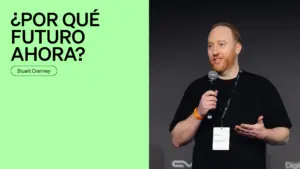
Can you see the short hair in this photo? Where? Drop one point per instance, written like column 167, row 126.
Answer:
column 235, row 32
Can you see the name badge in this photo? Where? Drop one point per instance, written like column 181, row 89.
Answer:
column 221, row 136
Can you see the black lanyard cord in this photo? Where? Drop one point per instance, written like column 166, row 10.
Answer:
column 229, row 100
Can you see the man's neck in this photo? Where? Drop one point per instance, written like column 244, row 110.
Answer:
column 230, row 73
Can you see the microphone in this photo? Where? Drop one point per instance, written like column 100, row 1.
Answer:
column 212, row 75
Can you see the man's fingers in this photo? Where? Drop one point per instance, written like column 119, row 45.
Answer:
column 211, row 98
column 245, row 131
column 247, row 126
column 248, row 134
column 242, row 129
column 210, row 107
column 208, row 103
column 241, row 132
column 211, row 93
column 260, row 119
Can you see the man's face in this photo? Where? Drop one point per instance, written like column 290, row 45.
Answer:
column 222, row 49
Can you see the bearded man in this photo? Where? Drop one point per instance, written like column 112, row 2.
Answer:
column 233, row 119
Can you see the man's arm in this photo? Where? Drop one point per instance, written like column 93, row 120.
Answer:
column 185, row 131
column 277, row 136
column 273, row 136
column 277, row 121
column 274, row 125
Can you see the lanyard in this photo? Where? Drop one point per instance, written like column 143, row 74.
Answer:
column 229, row 100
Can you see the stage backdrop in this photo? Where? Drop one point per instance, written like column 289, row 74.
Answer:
column 270, row 36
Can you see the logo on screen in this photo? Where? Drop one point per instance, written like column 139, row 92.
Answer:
column 181, row 164
column 292, row 165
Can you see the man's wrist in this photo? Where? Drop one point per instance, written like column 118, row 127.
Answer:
column 197, row 114
column 266, row 135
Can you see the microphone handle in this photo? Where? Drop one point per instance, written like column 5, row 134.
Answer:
column 211, row 112
column 213, row 86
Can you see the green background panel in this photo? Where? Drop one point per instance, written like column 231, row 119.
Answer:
column 92, row 114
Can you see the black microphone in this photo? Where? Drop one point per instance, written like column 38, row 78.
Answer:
column 212, row 75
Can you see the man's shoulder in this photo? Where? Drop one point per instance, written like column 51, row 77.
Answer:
column 255, row 78
column 199, row 81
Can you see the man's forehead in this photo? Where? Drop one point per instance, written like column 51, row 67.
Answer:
column 220, row 33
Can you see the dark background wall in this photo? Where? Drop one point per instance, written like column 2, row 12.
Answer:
column 178, row 36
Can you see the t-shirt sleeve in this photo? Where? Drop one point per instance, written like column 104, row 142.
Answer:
column 275, row 113
column 185, row 108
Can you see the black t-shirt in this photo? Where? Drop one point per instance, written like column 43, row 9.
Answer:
column 254, row 96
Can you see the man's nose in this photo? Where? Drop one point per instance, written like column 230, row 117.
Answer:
column 215, row 51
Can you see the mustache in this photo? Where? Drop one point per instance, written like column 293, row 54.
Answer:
column 217, row 57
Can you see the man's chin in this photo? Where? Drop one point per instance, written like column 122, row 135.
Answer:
column 218, row 69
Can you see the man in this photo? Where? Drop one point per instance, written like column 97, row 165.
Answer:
column 232, row 124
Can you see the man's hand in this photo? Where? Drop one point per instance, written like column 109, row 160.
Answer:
column 257, row 130
column 207, row 102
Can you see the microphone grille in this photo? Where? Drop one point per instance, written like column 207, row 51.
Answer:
column 212, row 75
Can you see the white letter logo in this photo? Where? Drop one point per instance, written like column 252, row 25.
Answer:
column 181, row 164
column 292, row 165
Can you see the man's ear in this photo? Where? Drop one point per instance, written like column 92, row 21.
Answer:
column 238, row 48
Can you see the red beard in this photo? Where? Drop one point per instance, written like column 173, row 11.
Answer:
column 223, row 63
